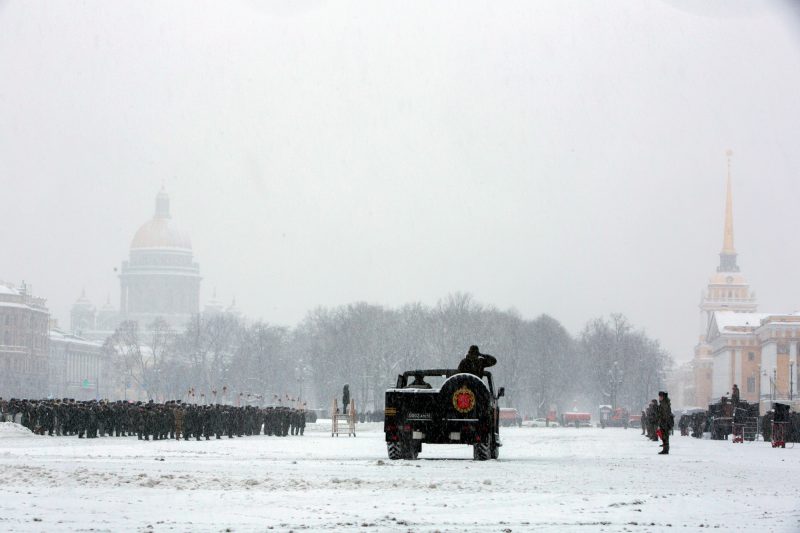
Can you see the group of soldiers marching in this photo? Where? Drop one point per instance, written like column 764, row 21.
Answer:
column 146, row 420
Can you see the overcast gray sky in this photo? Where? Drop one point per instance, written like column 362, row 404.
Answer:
column 563, row 157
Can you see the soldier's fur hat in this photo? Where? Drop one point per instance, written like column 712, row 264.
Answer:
column 473, row 351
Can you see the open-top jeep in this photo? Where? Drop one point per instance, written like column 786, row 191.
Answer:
column 442, row 407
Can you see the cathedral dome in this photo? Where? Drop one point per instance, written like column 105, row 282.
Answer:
column 161, row 231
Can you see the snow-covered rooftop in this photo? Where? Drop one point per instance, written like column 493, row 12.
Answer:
column 60, row 335
column 8, row 290
column 727, row 320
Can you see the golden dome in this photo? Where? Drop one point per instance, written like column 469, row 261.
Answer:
column 161, row 231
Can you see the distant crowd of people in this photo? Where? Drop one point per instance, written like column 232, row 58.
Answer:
column 146, row 420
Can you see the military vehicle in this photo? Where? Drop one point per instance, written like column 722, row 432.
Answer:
column 617, row 418
column 442, row 407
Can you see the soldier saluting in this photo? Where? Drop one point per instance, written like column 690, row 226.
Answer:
column 475, row 362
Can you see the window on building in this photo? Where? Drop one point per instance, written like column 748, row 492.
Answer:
column 751, row 384
column 751, row 356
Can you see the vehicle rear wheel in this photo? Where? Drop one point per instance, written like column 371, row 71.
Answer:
column 482, row 451
column 411, row 451
column 395, row 450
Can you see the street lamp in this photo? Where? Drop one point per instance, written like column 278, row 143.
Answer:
column 615, row 381
column 771, row 383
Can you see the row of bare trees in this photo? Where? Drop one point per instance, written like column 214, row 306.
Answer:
column 216, row 358
column 366, row 346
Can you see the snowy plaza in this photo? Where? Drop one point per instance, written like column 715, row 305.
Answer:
column 547, row 479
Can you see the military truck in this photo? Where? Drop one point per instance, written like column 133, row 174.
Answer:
column 442, row 406
column 615, row 418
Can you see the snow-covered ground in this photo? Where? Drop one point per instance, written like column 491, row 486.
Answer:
column 554, row 479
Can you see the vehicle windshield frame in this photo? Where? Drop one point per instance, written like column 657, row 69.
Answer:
column 406, row 377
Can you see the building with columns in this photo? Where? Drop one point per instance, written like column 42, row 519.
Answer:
column 757, row 351
column 738, row 345
column 77, row 366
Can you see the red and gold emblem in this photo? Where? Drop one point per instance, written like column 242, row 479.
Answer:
column 463, row 400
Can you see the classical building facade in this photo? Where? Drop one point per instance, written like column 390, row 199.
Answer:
column 757, row 351
column 24, row 342
column 77, row 367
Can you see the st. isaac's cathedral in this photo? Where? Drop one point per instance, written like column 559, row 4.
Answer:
column 160, row 279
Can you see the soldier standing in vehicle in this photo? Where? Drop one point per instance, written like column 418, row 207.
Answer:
column 735, row 396
column 475, row 362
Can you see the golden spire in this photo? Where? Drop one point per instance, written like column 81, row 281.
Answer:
column 727, row 243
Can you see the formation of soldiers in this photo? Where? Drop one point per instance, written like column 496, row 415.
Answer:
column 650, row 420
column 146, row 420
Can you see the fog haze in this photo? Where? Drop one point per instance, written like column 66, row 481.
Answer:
column 565, row 158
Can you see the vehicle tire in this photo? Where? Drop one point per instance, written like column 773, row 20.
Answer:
column 411, row 450
column 482, row 451
column 395, row 450
column 495, row 451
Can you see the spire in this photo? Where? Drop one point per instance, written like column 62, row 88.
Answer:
column 727, row 243
column 727, row 258
column 162, row 203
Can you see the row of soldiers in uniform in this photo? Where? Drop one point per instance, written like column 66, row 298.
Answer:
column 657, row 420
column 650, row 420
column 170, row 420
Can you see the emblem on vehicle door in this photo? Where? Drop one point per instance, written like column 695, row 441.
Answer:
column 463, row 400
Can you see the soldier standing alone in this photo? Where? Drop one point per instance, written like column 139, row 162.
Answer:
column 345, row 398
column 664, row 420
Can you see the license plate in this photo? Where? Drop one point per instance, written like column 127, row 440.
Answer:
column 455, row 435
column 417, row 435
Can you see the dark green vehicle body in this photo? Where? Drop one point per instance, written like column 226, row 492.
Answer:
column 462, row 409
